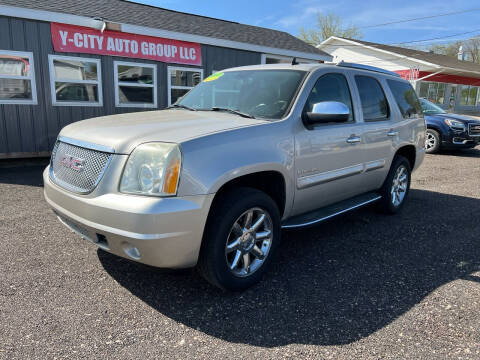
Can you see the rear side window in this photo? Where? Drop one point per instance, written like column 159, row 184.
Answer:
column 406, row 98
column 372, row 97
column 330, row 87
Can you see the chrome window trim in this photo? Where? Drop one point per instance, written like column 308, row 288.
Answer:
column 86, row 145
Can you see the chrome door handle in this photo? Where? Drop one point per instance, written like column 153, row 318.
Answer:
column 353, row 139
column 392, row 133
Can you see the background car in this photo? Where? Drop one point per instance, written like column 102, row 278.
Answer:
column 448, row 131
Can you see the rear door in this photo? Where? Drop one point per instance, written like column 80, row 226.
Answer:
column 379, row 129
column 329, row 157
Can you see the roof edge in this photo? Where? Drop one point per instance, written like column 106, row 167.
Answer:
column 51, row 16
column 360, row 44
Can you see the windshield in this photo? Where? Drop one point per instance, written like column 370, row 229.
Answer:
column 431, row 108
column 258, row 93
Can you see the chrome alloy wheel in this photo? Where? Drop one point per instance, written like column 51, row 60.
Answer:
column 430, row 141
column 399, row 185
column 249, row 242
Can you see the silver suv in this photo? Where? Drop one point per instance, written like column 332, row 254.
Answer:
column 211, row 181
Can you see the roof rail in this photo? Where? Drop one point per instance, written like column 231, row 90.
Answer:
column 366, row 67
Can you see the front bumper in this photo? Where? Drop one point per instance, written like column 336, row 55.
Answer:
column 454, row 139
column 162, row 232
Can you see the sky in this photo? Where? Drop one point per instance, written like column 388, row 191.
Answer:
column 290, row 15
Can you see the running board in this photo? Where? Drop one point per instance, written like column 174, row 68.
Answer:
column 330, row 211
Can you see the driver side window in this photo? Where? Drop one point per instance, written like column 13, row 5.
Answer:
column 331, row 87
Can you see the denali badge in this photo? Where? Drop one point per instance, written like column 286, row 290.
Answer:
column 71, row 162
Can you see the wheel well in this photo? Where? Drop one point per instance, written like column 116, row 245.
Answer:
column 270, row 182
column 408, row 152
column 434, row 128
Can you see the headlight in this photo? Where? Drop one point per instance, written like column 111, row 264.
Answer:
column 456, row 125
column 152, row 169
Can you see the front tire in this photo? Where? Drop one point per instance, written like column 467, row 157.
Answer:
column 396, row 187
column 241, row 238
column 432, row 141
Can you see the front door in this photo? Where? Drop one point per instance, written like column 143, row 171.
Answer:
column 329, row 157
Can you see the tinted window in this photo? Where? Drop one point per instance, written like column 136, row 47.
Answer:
column 372, row 97
column 330, row 87
column 406, row 98
column 429, row 108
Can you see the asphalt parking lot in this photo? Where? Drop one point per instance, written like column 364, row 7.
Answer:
column 360, row 286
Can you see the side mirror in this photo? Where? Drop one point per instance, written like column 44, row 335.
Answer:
column 325, row 112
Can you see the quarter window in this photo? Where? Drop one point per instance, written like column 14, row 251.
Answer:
column 17, row 78
column 406, row 98
column 181, row 80
column 135, row 85
column 330, row 87
column 75, row 81
column 372, row 97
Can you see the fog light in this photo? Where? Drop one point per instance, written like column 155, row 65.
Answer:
column 131, row 251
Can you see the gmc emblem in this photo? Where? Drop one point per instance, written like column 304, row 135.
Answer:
column 72, row 162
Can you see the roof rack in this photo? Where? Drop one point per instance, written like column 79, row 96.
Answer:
column 366, row 67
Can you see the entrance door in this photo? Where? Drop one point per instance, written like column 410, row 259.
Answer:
column 453, row 98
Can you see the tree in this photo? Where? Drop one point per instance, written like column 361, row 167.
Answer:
column 450, row 49
column 329, row 25
column 472, row 49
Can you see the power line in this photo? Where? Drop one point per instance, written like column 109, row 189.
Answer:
column 419, row 18
column 367, row 43
column 435, row 38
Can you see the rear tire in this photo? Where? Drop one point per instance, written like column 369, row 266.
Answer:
column 432, row 141
column 234, row 255
column 396, row 187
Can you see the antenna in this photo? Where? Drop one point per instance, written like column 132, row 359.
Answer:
column 294, row 61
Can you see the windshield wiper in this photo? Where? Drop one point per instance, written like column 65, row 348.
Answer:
column 181, row 106
column 236, row 112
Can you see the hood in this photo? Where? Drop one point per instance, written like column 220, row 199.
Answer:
column 124, row 132
column 463, row 118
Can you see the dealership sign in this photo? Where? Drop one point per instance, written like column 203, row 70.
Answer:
column 77, row 39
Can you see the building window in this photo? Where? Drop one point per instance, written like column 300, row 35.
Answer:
column 433, row 92
column 17, row 78
column 135, row 84
column 75, row 81
column 469, row 95
column 181, row 80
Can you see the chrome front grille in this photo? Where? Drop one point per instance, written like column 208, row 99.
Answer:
column 76, row 168
column 474, row 129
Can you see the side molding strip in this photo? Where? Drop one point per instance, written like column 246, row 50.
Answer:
column 374, row 165
column 311, row 180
